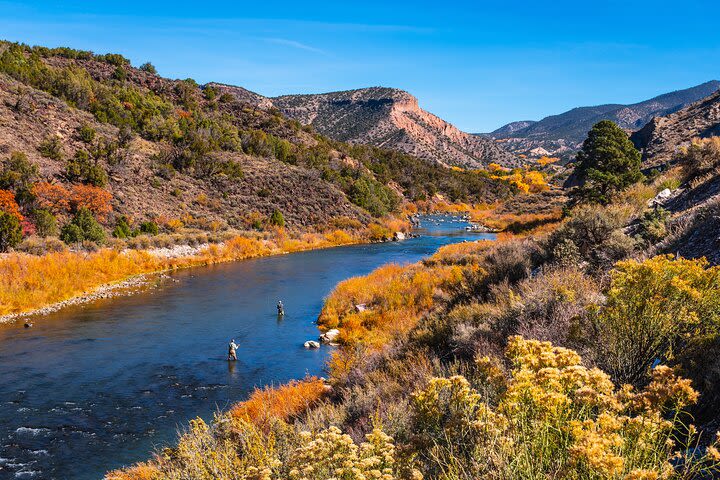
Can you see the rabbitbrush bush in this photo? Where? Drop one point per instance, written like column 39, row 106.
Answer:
column 548, row 417
column 556, row 418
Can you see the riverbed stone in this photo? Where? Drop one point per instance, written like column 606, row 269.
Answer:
column 311, row 344
column 330, row 336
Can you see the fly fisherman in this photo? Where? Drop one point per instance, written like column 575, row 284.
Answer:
column 280, row 308
column 232, row 350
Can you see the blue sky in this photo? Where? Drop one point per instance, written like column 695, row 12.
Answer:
column 476, row 64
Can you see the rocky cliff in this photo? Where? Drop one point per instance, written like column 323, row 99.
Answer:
column 392, row 118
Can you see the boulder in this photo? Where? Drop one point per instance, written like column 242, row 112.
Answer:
column 330, row 336
column 311, row 344
column 660, row 198
column 360, row 307
column 398, row 237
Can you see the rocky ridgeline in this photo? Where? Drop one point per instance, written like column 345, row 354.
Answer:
column 562, row 135
column 383, row 117
column 660, row 139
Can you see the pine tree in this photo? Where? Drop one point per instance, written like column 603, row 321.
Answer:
column 607, row 163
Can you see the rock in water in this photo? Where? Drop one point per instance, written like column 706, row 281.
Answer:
column 398, row 236
column 330, row 336
column 311, row 344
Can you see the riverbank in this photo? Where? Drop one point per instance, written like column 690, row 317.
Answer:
column 32, row 285
column 441, row 367
column 125, row 372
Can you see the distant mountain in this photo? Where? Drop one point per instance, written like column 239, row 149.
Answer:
column 392, row 118
column 512, row 128
column 663, row 136
column 563, row 134
column 242, row 95
column 383, row 117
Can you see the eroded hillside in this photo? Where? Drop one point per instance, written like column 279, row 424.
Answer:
column 174, row 151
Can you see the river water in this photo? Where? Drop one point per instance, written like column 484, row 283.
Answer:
column 95, row 387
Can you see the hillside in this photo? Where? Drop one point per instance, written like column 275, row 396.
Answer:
column 562, row 134
column 392, row 118
column 661, row 139
column 511, row 128
column 388, row 118
column 176, row 153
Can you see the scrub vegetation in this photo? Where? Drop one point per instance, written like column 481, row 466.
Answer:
column 114, row 160
column 29, row 282
column 567, row 352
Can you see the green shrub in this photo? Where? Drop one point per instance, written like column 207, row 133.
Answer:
column 653, row 225
column 81, row 168
column 233, row 169
column 119, row 74
column 45, row 223
column 51, row 148
column 71, row 233
column 595, row 232
column 10, row 231
column 149, row 228
column 122, row 228
column 86, row 133
column 17, row 173
column 210, row 93
column 373, row 196
column 83, row 227
column 149, row 68
column 700, row 157
column 277, row 219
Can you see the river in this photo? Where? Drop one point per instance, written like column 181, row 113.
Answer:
column 95, row 387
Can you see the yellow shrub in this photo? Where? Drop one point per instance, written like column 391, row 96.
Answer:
column 556, row 415
column 394, row 296
column 339, row 237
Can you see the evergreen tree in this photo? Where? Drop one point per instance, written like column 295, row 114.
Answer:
column 122, row 228
column 83, row 227
column 608, row 163
column 45, row 223
column 277, row 219
column 10, row 231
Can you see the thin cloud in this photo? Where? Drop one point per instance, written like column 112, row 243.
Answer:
column 295, row 44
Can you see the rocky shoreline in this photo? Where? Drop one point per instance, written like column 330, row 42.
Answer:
column 126, row 287
column 133, row 284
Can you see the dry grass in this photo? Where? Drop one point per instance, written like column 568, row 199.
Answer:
column 141, row 471
column 280, row 403
column 29, row 282
column 395, row 297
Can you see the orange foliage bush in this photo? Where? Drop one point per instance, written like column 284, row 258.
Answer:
column 395, row 297
column 281, row 403
column 52, row 197
column 95, row 199
column 30, row 282
column 9, row 205
column 141, row 471
column 545, row 160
